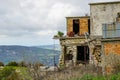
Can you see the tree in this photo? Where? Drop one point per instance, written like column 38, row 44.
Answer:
column 12, row 64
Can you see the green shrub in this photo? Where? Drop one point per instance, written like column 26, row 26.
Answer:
column 91, row 77
column 60, row 33
column 12, row 64
column 113, row 77
column 5, row 72
column 87, row 77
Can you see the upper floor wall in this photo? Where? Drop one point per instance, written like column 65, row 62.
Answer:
column 101, row 13
column 78, row 25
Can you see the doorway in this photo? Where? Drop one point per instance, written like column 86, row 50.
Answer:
column 82, row 54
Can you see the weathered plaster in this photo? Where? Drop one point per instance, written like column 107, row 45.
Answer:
column 111, row 52
column 102, row 13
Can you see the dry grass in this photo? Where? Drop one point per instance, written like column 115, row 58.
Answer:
column 71, row 73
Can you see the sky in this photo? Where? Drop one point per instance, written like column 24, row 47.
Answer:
column 35, row 22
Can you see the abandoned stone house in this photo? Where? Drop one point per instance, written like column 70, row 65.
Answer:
column 93, row 39
column 74, row 40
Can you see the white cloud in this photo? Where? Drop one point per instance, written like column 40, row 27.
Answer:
column 25, row 19
column 57, row 14
column 46, row 32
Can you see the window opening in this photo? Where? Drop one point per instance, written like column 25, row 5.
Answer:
column 76, row 26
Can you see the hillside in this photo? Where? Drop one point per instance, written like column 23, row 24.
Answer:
column 51, row 47
column 28, row 54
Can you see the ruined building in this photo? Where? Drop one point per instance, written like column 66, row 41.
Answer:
column 93, row 39
column 105, row 22
column 74, row 51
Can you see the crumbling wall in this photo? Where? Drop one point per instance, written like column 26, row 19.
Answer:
column 71, row 50
column 69, row 44
column 95, row 51
column 97, row 55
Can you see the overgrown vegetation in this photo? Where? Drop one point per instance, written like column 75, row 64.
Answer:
column 23, row 71
column 85, row 72
column 16, row 71
column 93, row 77
column 5, row 72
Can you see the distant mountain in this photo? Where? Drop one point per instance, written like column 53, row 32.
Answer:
column 52, row 47
column 28, row 54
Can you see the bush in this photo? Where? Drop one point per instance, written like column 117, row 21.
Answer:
column 60, row 33
column 91, row 77
column 1, row 64
column 113, row 77
column 5, row 72
column 87, row 77
column 12, row 64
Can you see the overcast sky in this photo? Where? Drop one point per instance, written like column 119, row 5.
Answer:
column 34, row 22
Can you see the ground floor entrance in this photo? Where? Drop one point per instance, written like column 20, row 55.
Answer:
column 82, row 54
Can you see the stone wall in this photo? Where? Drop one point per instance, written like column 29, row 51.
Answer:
column 68, row 44
column 73, row 49
column 71, row 43
column 97, row 55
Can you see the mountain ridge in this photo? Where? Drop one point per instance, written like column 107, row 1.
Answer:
column 52, row 46
column 28, row 54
